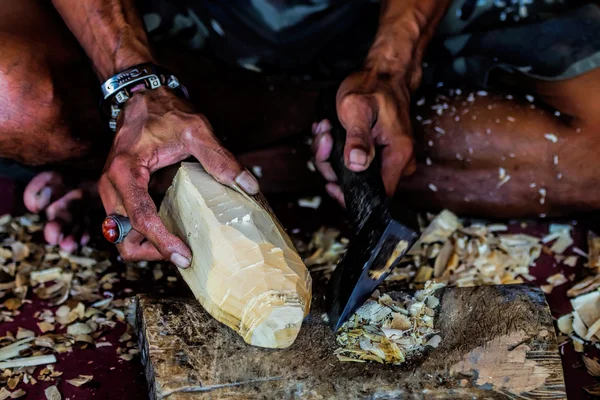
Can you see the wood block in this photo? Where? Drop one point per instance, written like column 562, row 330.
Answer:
column 245, row 271
column 498, row 342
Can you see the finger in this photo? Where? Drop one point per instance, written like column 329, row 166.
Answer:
column 396, row 156
column 321, row 127
column 68, row 244
column 135, row 247
column 357, row 115
column 85, row 238
column 131, row 183
column 219, row 162
column 335, row 191
column 52, row 232
column 67, row 207
column 322, row 146
column 63, row 234
column 393, row 132
column 42, row 189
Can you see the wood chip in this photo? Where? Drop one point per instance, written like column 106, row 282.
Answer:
column 4, row 393
column 13, row 382
column 52, row 393
column 24, row 333
column 80, row 380
column 45, row 327
column 310, row 202
column 79, row 328
column 592, row 365
column 13, row 349
column 565, row 324
column 557, row 280
column 570, row 261
column 593, row 250
column 46, row 275
column 13, row 304
column 18, row 393
column 28, row 361
column 585, row 286
column 593, row 390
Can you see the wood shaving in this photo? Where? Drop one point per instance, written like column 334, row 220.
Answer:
column 585, row 286
column 477, row 254
column 592, row 365
column 389, row 331
column 80, row 380
column 28, row 361
column 257, row 171
column 310, row 202
column 323, row 252
column 17, row 394
column 570, row 261
column 45, row 326
column 77, row 288
column 52, row 393
column 593, row 251
column 593, row 390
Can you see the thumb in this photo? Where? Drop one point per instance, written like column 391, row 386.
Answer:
column 356, row 115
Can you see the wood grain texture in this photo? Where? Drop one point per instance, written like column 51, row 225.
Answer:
column 245, row 271
column 498, row 342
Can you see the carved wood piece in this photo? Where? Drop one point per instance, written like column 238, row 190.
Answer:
column 245, row 271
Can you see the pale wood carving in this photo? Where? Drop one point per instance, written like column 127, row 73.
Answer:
column 245, row 271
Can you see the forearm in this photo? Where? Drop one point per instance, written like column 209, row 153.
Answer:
column 110, row 31
column 405, row 28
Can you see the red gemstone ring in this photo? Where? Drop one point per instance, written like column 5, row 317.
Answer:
column 115, row 228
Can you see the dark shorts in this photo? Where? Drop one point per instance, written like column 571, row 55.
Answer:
column 545, row 39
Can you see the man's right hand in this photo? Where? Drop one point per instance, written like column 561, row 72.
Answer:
column 375, row 114
column 157, row 129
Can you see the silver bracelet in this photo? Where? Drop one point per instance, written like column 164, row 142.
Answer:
column 119, row 88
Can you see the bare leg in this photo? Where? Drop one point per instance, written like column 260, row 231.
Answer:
column 48, row 112
column 477, row 140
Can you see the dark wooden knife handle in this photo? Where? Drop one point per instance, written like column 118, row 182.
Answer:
column 364, row 191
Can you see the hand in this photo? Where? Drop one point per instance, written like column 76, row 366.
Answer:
column 375, row 113
column 157, row 129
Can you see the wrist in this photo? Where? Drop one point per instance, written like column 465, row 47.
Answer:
column 393, row 55
column 123, row 59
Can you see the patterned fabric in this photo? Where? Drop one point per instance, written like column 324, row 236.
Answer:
column 547, row 39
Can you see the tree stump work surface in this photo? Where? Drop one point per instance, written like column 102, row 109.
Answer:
column 498, row 342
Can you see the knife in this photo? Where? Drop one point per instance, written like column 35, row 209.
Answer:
column 379, row 240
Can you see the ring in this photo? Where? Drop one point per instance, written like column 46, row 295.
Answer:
column 115, row 228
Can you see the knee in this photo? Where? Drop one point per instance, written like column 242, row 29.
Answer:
column 28, row 94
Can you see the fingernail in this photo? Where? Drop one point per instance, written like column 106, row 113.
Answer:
column 359, row 157
column 85, row 239
column 321, row 127
column 247, row 182
column 180, row 260
column 43, row 197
